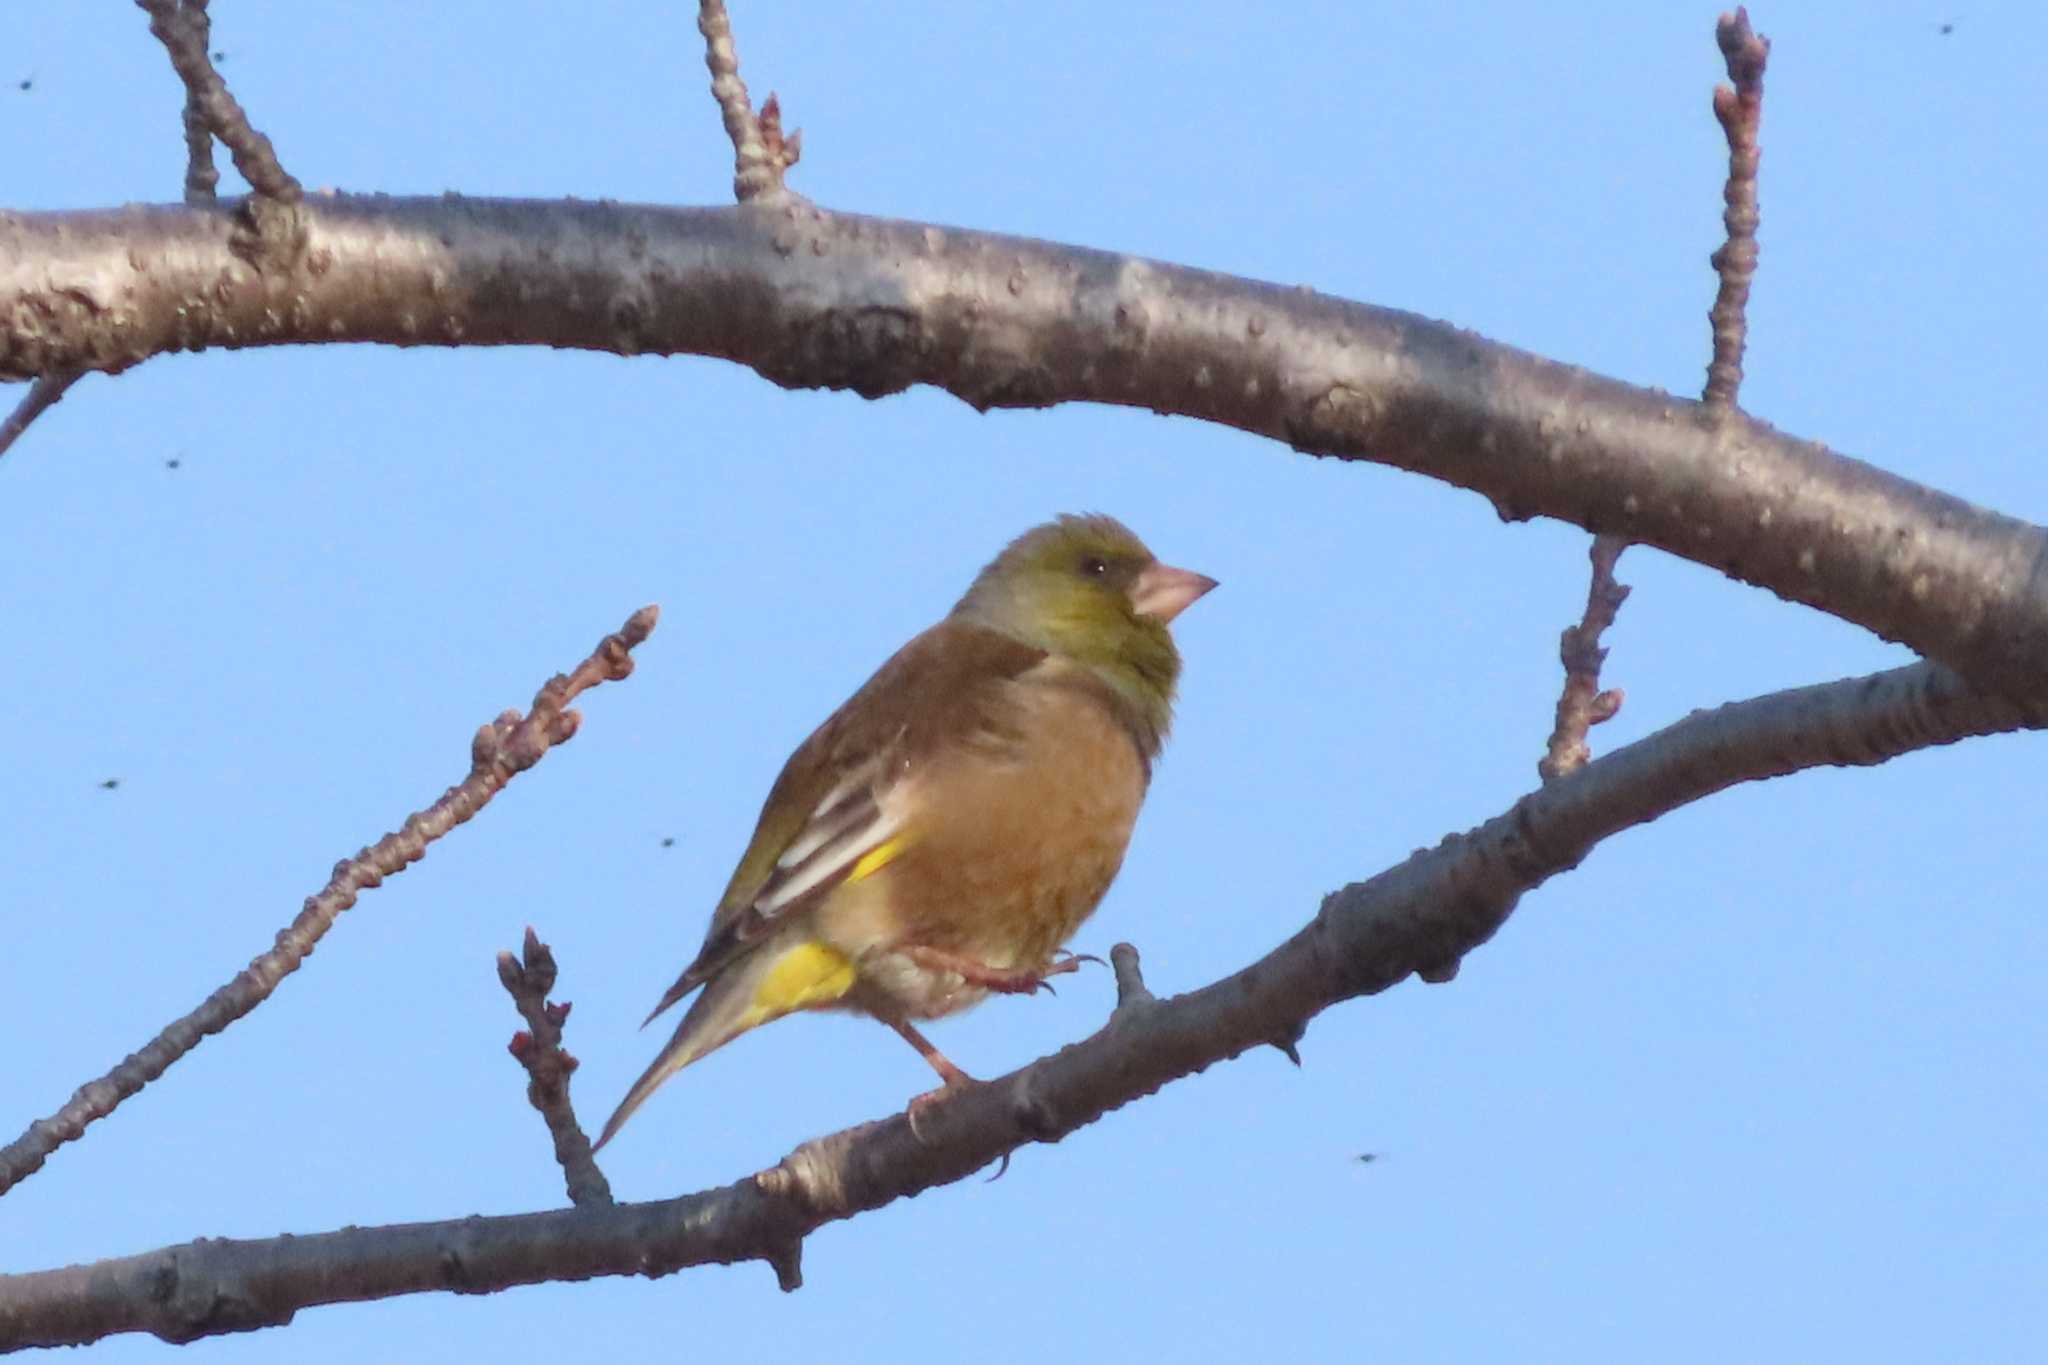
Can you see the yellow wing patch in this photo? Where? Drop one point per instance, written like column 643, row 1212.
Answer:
column 806, row 975
column 877, row 858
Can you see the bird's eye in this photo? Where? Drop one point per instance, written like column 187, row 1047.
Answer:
column 1095, row 566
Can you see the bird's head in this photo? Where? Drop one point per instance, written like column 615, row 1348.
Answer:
column 1086, row 588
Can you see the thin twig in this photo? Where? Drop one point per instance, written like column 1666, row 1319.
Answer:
column 501, row 750
column 1582, row 705
column 538, row 1048
column 761, row 154
column 201, row 179
column 1740, row 110
column 43, row 394
column 184, row 31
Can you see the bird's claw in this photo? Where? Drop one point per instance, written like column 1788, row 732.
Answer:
column 920, row 1103
column 1002, row 980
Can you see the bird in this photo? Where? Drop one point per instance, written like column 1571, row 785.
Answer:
column 947, row 829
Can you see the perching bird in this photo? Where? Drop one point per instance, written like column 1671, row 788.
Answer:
column 951, row 825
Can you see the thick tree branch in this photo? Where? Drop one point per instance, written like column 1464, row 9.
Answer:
column 817, row 299
column 500, row 751
column 1420, row 917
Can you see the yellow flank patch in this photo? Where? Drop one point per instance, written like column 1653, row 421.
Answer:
column 877, row 858
column 808, row 974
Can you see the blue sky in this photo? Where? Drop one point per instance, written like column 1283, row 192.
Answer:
column 1762, row 1081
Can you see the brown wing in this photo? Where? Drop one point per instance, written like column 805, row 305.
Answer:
column 826, row 810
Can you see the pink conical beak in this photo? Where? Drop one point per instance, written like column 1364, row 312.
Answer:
column 1165, row 592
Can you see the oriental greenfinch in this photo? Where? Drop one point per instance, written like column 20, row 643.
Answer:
column 947, row 829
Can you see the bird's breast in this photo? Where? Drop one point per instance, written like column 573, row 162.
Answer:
column 1003, row 854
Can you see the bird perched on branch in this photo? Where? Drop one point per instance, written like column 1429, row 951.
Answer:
column 948, row 828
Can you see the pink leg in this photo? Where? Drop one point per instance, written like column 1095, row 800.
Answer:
column 951, row 1077
column 978, row 973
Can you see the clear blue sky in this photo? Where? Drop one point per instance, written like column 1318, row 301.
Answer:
column 1763, row 1081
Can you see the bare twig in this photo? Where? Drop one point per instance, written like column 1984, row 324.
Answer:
column 501, row 750
column 1437, row 905
column 183, row 29
column 538, row 1048
column 201, row 179
column 1740, row 109
column 1582, row 705
column 761, row 154
column 43, row 394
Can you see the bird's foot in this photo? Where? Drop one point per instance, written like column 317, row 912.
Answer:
column 1004, row 981
column 920, row 1105
column 951, row 1077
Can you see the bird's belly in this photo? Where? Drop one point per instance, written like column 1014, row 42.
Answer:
column 1013, row 861
column 914, row 990
column 1009, row 908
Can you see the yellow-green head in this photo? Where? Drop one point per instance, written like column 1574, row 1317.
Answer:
column 1087, row 589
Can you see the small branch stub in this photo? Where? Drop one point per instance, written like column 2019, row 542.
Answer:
column 1289, row 1043
column 786, row 1259
column 1131, row 991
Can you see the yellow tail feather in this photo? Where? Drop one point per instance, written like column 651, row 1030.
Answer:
column 776, row 979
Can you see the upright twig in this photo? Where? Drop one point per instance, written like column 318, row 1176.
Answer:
column 501, row 750
column 761, row 154
column 1740, row 108
column 184, row 30
column 201, row 179
column 270, row 229
column 1582, row 704
column 538, row 1048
